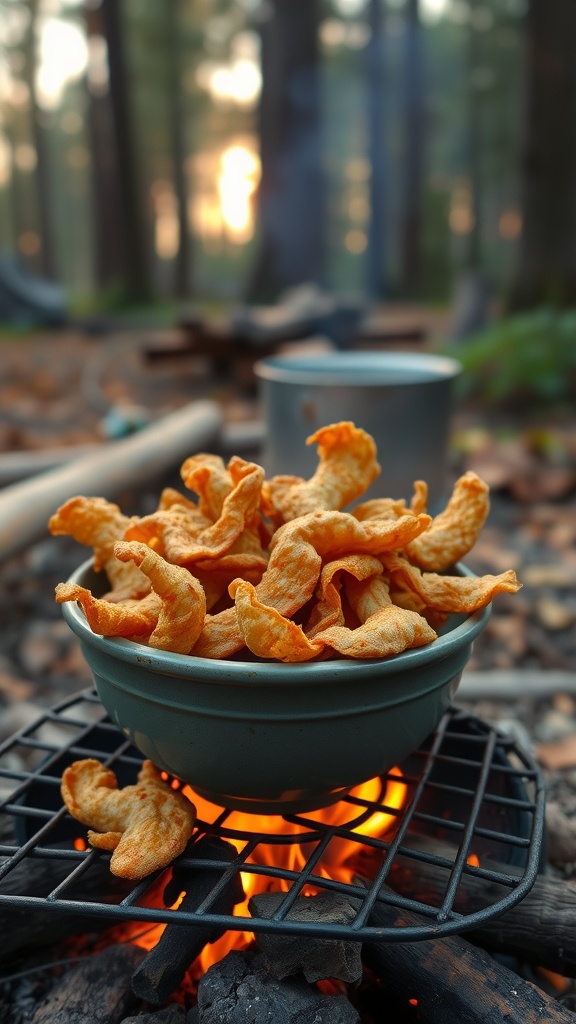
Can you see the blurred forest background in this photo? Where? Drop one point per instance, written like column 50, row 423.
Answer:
column 222, row 151
column 166, row 161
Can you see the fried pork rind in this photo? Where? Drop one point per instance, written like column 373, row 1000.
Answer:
column 328, row 608
column 181, row 540
column 389, row 630
column 146, row 825
column 277, row 566
column 450, row 593
column 170, row 618
column 128, row 618
column 183, row 601
column 454, row 531
column 296, row 553
column 98, row 524
column 348, row 465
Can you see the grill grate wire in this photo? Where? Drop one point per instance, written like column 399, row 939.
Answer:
column 475, row 806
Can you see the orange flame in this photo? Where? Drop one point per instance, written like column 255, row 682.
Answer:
column 337, row 864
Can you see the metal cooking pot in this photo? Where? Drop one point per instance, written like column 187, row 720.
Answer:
column 403, row 399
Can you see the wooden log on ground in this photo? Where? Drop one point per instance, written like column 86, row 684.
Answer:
column 98, row 989
column 179, row 945
column 26, row 507
column 541, row 928
column 455, row 982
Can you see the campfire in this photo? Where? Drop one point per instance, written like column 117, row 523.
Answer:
column 410, row 892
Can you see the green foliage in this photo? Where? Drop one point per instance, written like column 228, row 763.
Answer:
column 527, row 357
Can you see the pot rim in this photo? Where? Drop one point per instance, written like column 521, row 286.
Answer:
column 267, row 673
column 365, row 369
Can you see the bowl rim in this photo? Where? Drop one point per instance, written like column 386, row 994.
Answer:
column 267, row 672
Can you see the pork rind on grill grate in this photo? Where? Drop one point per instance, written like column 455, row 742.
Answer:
column 146, row 825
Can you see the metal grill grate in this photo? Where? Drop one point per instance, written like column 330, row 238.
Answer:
column 474, row 805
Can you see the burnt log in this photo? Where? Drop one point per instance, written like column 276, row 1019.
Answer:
column 97, row 989
column 240, row 988
column 179, row 945
column 541, row 928
column 560, row 835
column 453, row 981
column 25, row 928
column 317, row 959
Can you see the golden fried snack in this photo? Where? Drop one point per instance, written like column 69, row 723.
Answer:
column 454, row 531
column 367, row 596
column 128, row 618
column 209, row 478
column 450, row 593
column 296, row 553
column 98, row 524
column 379, row 508
column 348, row 465
column 183, row 542
column 328, row 608
column 146, row 825
column 183, row 601
column 392, row 508
column 419, row 501
column 283, row 551
column 216, row 575
column 390, row 630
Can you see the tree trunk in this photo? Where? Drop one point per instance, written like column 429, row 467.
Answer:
column 473, row 254
column 291, row 192
column 413, row 154
column 106, row 211
column 546, row 268
column 39, row 135
column 375, row 85
column 178, row 148
column 135, row 266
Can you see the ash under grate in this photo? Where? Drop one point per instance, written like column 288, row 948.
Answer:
column 473, row 806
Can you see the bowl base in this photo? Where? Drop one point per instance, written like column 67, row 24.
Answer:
column 289, row 803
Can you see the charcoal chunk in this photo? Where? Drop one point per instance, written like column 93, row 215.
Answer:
column 241, row 990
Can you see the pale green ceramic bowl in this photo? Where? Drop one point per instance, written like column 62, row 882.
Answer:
column 271, row 738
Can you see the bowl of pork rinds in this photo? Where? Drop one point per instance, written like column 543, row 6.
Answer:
column 275, row 642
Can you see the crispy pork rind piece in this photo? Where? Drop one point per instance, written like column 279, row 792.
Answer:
column 454, row 531
column 178, row 537
column 392, row 508
column 210, row 479
column 146, row 825
column 183, row 601
column 390, row 630
column 98, row 524
column 366, row 596
column 328, row 611
column 348, row 465
column 464, row 594
column 296, row 554
column 131, row 618
column 380, row 508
